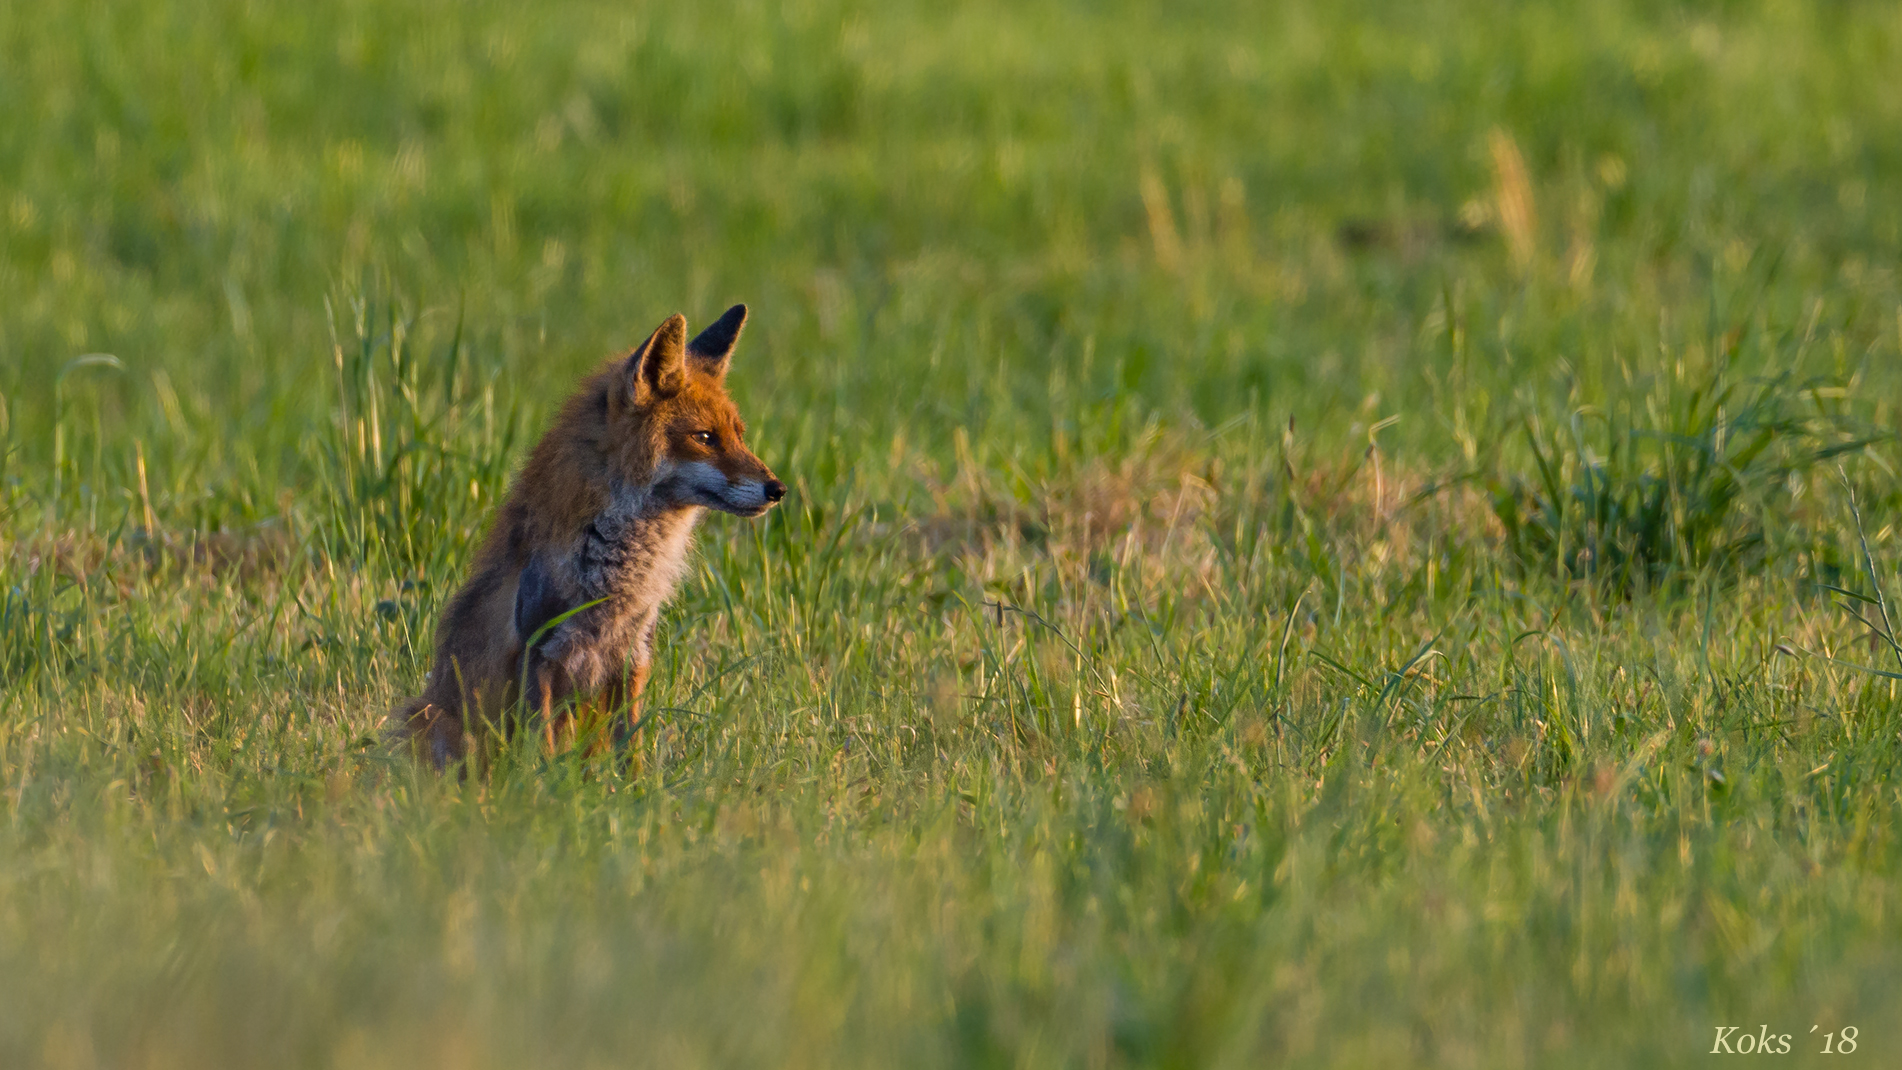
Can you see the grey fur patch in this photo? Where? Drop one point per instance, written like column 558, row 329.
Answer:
column 440, row 753
column 633, row 555
column 537, row 601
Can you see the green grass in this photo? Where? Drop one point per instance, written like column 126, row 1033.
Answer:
column 1348, row 536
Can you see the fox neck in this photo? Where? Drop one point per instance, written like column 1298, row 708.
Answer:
column 636, row 549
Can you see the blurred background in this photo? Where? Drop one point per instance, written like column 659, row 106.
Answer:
column 1322, row 534
column 1001, row 214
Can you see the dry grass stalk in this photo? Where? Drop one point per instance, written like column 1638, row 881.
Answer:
column 1162, row 221
column 1512, row 197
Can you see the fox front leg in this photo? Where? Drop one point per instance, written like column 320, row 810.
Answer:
column 627, row 689
column 621, row 701
column 555, row 728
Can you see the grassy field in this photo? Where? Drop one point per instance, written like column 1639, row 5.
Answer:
column 1358, row 535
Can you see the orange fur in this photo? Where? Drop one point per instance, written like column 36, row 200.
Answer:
column 600, row 517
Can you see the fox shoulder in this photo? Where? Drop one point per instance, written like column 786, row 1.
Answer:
column 563, row 483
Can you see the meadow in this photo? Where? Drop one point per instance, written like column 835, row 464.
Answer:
column 1321, row 535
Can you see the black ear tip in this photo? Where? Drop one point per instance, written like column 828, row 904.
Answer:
column 716, row 342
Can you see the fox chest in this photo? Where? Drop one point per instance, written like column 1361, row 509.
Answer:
column 595, row 606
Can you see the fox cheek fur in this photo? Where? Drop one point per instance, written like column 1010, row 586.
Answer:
column 568, row 585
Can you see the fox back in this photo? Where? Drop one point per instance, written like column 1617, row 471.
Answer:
column 568, row 584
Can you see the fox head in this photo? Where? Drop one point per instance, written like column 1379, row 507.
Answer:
column 679, row 432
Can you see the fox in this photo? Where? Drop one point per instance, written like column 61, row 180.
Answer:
column 567, row 586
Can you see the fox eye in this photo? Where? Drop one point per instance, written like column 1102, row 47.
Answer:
column 705, row 438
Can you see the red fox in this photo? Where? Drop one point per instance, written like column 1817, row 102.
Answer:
column 589, row 546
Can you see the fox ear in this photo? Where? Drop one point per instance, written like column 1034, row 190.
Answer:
column 659, row 367
column 712, row 349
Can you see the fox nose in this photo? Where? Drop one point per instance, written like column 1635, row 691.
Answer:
column 775, row 490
